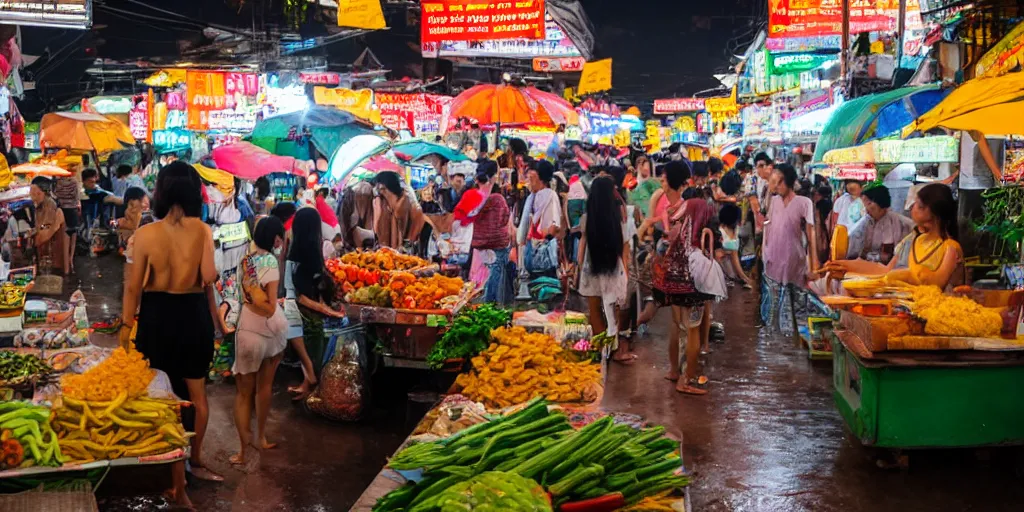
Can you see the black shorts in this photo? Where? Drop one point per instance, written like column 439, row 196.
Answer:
column 70, row 219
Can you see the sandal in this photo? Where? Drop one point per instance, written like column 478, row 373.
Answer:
column 628, row 360
column 694, row 386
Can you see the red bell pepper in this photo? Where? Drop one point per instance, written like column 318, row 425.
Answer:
column 606, row 503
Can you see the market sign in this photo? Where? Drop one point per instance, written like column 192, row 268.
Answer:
column 138, row 117
column 803, row 18
column 480, row 20
column 556, row 43
column 803, row 44
column 558, row 64
column 419, row 113
column 172, row 139
column 358, row 103
column 673, row 105
column 936, row 149
column 47, row 13
column 856, row 173
column 924, row 150
column 783, row 63
column 319, row 78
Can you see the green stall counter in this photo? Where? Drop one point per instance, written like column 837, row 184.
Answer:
column 929, row 399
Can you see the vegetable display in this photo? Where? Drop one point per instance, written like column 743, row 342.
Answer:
column 12, row 296
column 598, row 465
column 469, row 334
column 122, row 373
column 520, row 366
column 495, row 490
column 95, row 430
column 26, row 438
column 383, row 259
column 372, row 295
column 17, row 368
column 352, row 277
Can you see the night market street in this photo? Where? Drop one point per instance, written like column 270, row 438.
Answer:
column 766, row 438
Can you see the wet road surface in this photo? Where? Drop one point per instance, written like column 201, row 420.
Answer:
column 766, row 438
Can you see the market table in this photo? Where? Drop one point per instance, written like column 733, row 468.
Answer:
column 388, row 479
column 929, row 399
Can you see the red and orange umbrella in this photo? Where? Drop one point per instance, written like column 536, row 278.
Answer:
column 506, row 104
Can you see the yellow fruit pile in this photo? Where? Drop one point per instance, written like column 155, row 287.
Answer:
column 946, row 315
column 383, row 259
column 519, row 366
column 94, row 430
column 122, row 372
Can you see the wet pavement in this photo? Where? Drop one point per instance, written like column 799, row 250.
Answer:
column 767, row 437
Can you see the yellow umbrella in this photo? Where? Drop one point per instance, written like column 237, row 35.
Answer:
column 987, row 105
column 224, row 181
column 84, row 131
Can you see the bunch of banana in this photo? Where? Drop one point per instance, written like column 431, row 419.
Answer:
column 91, row 430
column 11, row 295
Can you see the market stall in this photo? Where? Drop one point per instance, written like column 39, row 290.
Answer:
column 915, row 368
column 527, row 414
column 71, row 409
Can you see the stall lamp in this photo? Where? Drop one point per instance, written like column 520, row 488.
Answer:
column 506, row 77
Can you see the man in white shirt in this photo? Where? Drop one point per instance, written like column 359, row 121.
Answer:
column 848, row 209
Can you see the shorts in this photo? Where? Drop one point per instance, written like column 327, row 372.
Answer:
column 70, row 220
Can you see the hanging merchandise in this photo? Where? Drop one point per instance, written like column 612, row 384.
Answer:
column 358, row 103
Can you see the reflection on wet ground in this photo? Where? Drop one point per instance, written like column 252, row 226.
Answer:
column 766, row 438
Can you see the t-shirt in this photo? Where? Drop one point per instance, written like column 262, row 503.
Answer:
column 849, row 210
column 67, row 191
column 641, row 195
column 873, row 240
column 306, row 280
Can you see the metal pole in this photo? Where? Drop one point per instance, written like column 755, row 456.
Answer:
column 844, row 54
column 901, row 29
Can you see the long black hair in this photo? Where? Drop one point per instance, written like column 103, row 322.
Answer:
column 604, row 227
column 177, row 184
column 307, row 245
column 938, row 198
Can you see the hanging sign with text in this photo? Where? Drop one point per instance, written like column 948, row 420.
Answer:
column 673, row 105
column 805, row 18
column 481, row 20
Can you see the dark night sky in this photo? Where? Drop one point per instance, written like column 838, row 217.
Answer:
column 665, row 48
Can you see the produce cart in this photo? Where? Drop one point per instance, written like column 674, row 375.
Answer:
column 956, row 393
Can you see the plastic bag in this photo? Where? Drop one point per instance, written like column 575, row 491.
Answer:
column 342, row 391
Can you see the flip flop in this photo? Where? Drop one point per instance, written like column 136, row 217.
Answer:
column 687, row 389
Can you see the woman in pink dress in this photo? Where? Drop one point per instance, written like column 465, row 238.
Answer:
column 790, row 218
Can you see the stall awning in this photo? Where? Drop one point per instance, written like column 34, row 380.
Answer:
column 993, row 106
column 856, row 120
column 938, row 149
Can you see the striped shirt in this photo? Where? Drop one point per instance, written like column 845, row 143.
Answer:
column 68, row 192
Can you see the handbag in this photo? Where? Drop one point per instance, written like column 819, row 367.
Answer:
column 708, row 276
column 670, row 272
column 542, row 256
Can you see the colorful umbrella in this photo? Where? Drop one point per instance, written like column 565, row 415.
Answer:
column 328, row 128
column 412, row 150
column 988, row 105
column 249, row 162
column 40, row 170
column 353, row 153
column 507, row 104
column 84, row 131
